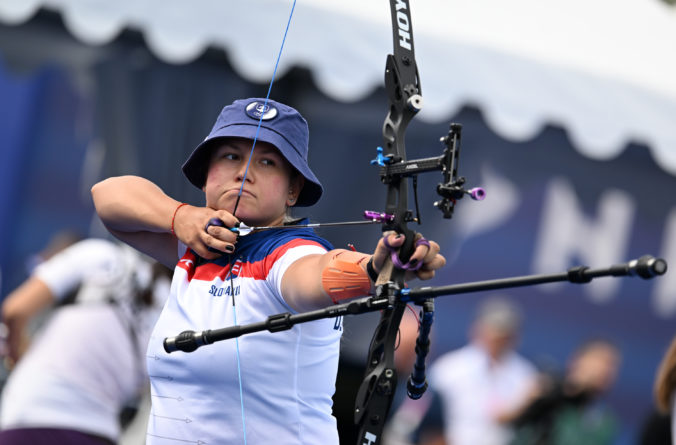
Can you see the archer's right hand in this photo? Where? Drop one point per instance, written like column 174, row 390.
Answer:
column 193, row 228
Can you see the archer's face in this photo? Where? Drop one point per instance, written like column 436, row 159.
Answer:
column 268, row 185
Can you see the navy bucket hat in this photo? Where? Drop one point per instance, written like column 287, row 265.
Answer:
column 281, row 126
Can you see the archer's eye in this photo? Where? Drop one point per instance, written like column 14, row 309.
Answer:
column 268, row 162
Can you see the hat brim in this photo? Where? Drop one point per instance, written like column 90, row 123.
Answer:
column 195, row 168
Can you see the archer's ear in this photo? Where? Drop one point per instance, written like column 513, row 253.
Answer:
column 296, row 185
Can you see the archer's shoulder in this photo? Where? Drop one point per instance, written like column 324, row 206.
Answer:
column 292, row 237
column 300, row 239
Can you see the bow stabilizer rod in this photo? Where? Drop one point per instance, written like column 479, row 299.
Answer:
column 646, row 267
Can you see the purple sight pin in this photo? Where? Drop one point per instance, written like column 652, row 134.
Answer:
column 477, row 193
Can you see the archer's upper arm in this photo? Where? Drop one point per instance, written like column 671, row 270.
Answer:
column 301, row 284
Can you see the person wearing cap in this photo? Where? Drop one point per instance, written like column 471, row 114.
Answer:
column 481, row 385
column 264, row 387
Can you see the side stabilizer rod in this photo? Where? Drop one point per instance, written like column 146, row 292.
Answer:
column 646, row 267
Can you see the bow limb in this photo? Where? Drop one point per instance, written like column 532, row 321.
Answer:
column 404, row 94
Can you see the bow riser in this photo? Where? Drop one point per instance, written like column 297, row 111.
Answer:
column 380, row 382
column 376, row 392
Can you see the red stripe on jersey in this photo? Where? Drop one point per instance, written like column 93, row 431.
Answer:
column 187, row 263
column 257, row 270
column 209, row 271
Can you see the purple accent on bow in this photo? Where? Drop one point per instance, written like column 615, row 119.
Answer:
column 378, row 216
column 477, row 193
column 397, row 261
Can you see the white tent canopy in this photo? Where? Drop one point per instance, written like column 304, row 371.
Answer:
column 604, row 70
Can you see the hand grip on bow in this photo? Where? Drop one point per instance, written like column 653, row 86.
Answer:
column 422, row 264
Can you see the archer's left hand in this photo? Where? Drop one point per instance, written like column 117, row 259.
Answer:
column 426, row 252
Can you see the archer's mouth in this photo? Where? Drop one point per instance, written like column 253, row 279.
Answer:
column 236, row 191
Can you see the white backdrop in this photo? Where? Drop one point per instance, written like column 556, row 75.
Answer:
column 603, row 70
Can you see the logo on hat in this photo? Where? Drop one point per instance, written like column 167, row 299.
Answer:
column 258, row 110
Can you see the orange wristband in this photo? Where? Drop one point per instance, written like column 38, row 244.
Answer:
column 173, row 218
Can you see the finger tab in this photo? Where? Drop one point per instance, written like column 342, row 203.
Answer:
column 214, row 222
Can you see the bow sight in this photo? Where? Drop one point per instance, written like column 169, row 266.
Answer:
column 451, row 189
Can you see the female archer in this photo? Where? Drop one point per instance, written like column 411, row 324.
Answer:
column 262, row 388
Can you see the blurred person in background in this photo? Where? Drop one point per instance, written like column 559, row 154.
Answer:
column 57, row 243
column 661, row 426
column 475, row 390
column 70, row 382
column 20, row 337
column 570, row 410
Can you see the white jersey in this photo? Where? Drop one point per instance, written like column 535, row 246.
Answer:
column 287, row 378
column 474, row 390
column 83, row 367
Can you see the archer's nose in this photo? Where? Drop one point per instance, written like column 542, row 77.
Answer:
column 244, row 172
